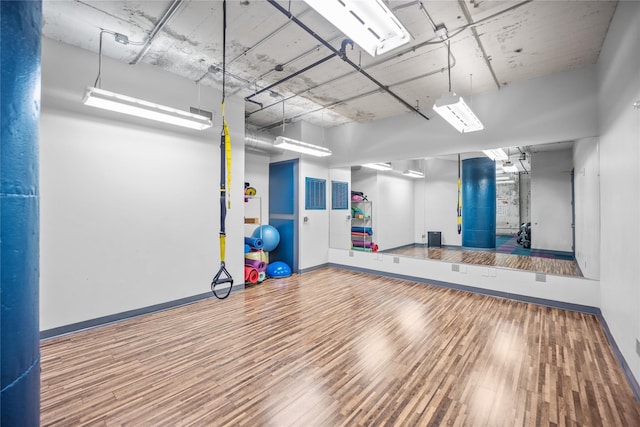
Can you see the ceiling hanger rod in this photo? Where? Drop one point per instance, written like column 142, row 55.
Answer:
column 345, row 58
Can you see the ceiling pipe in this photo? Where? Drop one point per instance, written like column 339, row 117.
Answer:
column 175, row 6
column 341, row 101
column 260, row 142
column 345, row 58
column 383, row 61
column 290, row 76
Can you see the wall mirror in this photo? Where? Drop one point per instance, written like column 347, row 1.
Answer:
column 546, row 210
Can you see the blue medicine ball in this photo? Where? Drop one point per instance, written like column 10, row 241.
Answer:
column 278, row 269
column 269, row 235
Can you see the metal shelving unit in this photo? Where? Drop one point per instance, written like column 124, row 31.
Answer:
column 361, row 217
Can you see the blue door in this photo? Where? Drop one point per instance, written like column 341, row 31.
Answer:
column 283, row 210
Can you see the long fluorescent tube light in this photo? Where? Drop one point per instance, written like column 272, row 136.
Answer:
column 100, row 98
column 503, row 178
column 370, row 24
column 413, row 174
column 453, row 109
column 378, row 166
column 496, row 154
column 301, row 147
column 509, row 167
column 506, row 182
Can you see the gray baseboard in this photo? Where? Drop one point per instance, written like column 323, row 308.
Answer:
column 316, row 267
column 118, row 317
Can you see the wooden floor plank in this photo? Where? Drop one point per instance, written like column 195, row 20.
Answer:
column 334, row 347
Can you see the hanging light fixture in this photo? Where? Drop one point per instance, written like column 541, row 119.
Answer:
column 378, row 166
column 97, row 97
column 452, row 107
column 301, row 147
column 413, row 174
column 370, row 24
column 100, row 98
column 496, row 154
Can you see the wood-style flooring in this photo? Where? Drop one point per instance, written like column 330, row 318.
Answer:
column 559, row 267
column 339, row 348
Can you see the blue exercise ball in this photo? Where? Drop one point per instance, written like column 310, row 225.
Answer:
column 278, row 269
column 269, row 235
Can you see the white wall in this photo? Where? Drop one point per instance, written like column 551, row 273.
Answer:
column 395, row 211
column 619, row 87
column 129, row 208
column 568, row 289
column 554, row 108
column 586, row 163
column 340, row 220
column 436, row 200
column 551, row 200
column 256, row 172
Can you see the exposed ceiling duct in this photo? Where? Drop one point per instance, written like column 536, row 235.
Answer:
column 260, row 142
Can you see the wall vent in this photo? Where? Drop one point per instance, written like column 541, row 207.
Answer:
column 455, row 267
column 541, row 277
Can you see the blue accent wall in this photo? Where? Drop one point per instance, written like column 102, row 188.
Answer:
column 19, row 197
column 282, row 178
column 283, row 210
column 479, row 203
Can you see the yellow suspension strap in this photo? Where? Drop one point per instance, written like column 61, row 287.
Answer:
column 223, row 276
column 459, row 199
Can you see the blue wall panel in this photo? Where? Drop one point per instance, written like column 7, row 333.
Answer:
column 282, row 179
column 283, row 210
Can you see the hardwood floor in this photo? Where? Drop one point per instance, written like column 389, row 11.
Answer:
column 560, row 267
column 339, row 348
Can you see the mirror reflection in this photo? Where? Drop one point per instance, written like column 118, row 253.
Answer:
column 528, row 207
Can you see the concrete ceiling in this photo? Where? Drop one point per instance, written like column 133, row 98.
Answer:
column 493, row 43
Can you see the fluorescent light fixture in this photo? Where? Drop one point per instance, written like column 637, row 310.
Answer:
column 378, row 166
column 506, row 182
column 301, row 147
column 413, row 174
column 370, row 24
column 503, row 178
column 453, row 109
column 496, row 154
column 100, row 98
column 509, row 167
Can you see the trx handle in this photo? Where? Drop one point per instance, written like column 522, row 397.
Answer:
column 222, row 277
